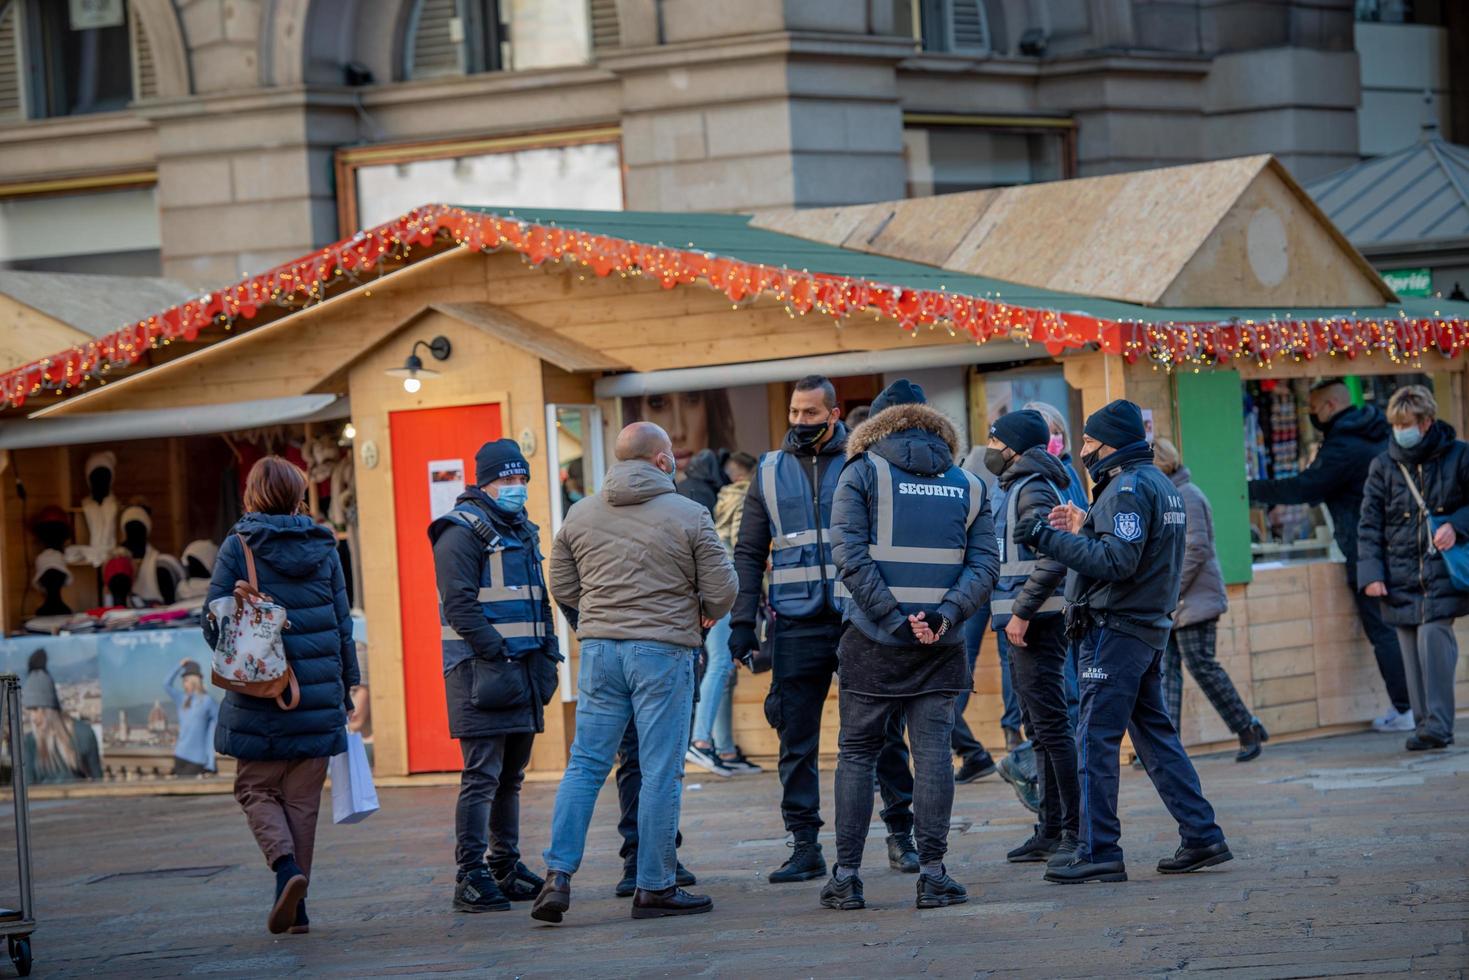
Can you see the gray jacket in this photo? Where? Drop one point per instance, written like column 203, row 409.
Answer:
column 1201, row 595
column 639, row 562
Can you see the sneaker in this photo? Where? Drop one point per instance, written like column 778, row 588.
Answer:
column 1187, row 859
column 902, row 853
column 1250, row 741
column 478, row 892
column 706, row 759
column 1025, row 789
column 1035, row 850
column 669, row 901
column 518, row 883
column 1395, row 721
column 976, row 767
column 1080, row 872
column 935, row 893
column 1065, row 851
column 804, row 864
column 554, row 899
column 739, row 765
column 628, row 886
column 1424, row 742
column 845, row 896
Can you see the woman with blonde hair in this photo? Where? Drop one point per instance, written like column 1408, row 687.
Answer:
column 57, row 748
column 1201, row 601
column 1415, row 506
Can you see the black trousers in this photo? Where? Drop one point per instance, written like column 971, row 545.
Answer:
column 488, row 814
column 1039, row 671
column 629, row 785
column 805, row 661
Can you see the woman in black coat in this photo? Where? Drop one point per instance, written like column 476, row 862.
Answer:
column 282, row 754
column 1398, row 553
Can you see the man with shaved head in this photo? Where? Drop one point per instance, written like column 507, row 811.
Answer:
column 639, row 573
column 1352, row 437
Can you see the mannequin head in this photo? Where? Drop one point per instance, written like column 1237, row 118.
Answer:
column 137, row 524
column 118, row 574
column 100, row 482
column 52, row 581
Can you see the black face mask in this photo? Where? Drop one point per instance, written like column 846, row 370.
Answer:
column 995, row 461
column 1091, row 459
column 808, row 434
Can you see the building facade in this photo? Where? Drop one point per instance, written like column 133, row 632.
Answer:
column 206, row 139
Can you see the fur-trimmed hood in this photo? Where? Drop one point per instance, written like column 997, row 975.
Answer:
column 917, row 438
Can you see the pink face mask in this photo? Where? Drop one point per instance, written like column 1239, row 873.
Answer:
column 1056, row 445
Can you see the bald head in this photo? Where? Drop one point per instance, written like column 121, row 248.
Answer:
column 643, row 440
column 1328, row 399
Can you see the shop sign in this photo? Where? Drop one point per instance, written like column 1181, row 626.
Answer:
column 90, row 15
column 1409, row 282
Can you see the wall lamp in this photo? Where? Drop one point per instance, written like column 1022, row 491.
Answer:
column 412, row 372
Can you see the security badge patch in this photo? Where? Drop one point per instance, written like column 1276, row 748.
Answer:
column 1128, row 527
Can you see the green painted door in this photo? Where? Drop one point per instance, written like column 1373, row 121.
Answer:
column 1211, row 425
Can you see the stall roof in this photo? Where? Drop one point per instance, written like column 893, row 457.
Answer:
column 201, row 420
column 94, row 304
column 1416, row 195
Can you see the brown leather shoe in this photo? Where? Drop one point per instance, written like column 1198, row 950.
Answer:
column 555, row 898
column 283, row 912
column 669, row 901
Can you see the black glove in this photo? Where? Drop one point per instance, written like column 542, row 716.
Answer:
column 742, row 641
column 1029, row 532
column 937, row 622
column 904, row 633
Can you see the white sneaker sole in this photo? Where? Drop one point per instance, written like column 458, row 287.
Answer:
column 713, row 770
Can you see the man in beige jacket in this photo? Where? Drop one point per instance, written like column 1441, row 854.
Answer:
column 640, row 573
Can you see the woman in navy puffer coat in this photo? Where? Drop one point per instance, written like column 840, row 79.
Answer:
column 282, row 754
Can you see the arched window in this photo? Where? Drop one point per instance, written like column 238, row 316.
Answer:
column 453, row 37
column 72, row 58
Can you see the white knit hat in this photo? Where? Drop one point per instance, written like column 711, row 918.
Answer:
column 48, row 561
column 136, row 513
column 104, row 460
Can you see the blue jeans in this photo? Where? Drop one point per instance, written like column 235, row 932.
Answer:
column 712, row 715
column 653, row 684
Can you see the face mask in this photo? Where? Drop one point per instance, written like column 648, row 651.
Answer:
column 1091, row 459
column 574, row 496
column 995, row 461
column 808, row 434
column 1056, row 446
column 672, row 467
column 1407, row 437
column 511, row 499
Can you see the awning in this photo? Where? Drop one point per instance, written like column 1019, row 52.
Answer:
column 831, row 365
column 196, row 420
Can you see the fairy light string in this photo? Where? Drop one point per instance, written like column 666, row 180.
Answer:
column 370, row 254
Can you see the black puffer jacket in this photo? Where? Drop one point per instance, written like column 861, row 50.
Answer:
column 1393, row 546
column 1353, row 439
column 702, row 480
column 1036, row 500
column 297, row 565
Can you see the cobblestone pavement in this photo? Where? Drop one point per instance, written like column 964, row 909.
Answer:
column 1352, row 858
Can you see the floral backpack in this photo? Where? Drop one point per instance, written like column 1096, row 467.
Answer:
column 250, row 655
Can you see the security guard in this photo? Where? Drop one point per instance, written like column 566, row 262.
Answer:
column 500, row 656
column 1026, row 610
column 787, row 521
column 1127, row 555
column 914, row 543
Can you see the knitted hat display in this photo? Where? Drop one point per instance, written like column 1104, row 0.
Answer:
column 51, row 560
column 104, row 460
column 136, row 512
column 497, row 460
column 118, row 565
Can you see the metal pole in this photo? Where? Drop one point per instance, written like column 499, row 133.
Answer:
column 22, row 803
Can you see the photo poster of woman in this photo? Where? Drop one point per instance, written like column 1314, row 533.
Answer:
column 61, row 707
column 717, row 420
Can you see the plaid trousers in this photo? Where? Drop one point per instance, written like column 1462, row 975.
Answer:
column 1194, row 645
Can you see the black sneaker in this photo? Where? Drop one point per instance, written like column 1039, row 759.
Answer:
column 478, row 892
column 1080, row 872
column 706, row 759
column 518, row 883
column 902, row 853
column 628, row 886
column 1026, row 789
column 804, row 864
column 1035, row 850
column 1187, row 859
column 739, row 765
column 1065, row 851
column 554, row 899
column 1425, row 742
column 669, row 901
column 976, row 767
column 935, row 893
column 845, row 896
column 1250, row 741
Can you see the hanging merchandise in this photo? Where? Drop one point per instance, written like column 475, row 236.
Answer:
column 157, row 575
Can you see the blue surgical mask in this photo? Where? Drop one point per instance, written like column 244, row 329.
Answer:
column 1407, row 437
column 512, row 498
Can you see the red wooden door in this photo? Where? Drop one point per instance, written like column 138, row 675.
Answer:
column 420, row 438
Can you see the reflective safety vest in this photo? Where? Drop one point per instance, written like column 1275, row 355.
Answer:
column 512, row 591
column 922, row 531
column 1017, row 562
column 803, row 577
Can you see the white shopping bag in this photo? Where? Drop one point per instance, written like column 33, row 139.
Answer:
column 354, row 798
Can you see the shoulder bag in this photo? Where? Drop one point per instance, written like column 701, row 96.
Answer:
column 1457, row 557
column 250, row 654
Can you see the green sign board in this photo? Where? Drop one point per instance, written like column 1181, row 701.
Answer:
column 1409, row 282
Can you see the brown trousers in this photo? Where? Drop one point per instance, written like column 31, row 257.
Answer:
column 281, row 801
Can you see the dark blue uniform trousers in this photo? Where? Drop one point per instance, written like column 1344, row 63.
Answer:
column 1122, row 689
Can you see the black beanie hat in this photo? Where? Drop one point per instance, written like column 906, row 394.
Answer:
column 1117, row 424
column 900, row 392
column 498, row 459
column 1021, row 430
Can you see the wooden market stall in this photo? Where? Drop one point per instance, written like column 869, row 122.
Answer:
column 558, row 326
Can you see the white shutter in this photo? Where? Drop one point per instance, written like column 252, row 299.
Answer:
column 10, row 97
column 436, row 41
column 145, row 73
column 606, row 31
column 969, row 29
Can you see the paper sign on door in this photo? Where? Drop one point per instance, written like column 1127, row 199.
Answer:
column 445, row 484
